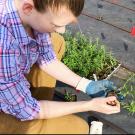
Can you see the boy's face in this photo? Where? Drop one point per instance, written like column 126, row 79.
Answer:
column 49, row 21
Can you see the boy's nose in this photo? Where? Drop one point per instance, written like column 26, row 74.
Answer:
column 61, row 30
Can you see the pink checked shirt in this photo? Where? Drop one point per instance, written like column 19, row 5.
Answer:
column 18, row 52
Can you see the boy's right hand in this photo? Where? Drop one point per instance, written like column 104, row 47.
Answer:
column 104, row 105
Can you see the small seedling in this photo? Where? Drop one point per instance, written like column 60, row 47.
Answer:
column 70, row 97
column 100, row 18
column 128, row 91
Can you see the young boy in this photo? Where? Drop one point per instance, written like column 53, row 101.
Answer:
column 24, row 40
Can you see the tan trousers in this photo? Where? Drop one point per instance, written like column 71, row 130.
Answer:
column 43, row 84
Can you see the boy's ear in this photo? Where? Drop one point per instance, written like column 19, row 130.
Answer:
column 27, row 8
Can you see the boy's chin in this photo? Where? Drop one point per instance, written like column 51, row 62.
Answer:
column 61, row 31
column 46, row 31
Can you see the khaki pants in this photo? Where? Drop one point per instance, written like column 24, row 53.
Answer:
column 42, row 84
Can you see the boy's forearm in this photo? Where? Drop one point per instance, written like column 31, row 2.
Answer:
column 62, row 73
column 52, row 109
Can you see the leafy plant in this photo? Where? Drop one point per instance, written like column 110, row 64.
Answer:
column 70, row 97
column 128, row 91
column 86, row 57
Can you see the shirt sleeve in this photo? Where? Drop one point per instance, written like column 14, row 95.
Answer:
column 46, row 52
column 15, row 96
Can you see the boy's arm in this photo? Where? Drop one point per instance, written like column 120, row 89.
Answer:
column 61, row 72
column 49, row 63
column 52, row 109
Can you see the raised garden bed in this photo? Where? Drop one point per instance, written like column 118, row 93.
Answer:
column 78, row 58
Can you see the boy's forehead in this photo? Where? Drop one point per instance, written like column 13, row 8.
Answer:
column 63, row 21
column 63, row 15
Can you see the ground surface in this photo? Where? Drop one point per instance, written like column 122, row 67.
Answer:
column 117, row 39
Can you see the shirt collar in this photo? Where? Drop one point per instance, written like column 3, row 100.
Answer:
column 20, row 33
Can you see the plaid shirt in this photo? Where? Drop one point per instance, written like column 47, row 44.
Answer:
column 18, row 52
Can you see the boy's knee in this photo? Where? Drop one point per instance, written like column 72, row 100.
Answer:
column 70, row 124
column 80, row 125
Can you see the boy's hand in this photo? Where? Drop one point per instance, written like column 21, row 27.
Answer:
column 104, row 105
column 99, row 88
column 95, row 88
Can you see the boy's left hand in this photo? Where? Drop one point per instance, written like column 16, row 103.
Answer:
column 95, row 88
column 99, row 88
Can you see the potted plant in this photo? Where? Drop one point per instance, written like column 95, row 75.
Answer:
column 86, row 57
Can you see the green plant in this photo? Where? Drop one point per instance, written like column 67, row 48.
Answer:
column 128, row 91
column 130, row 107
column 70, row 97
column 86, row 57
